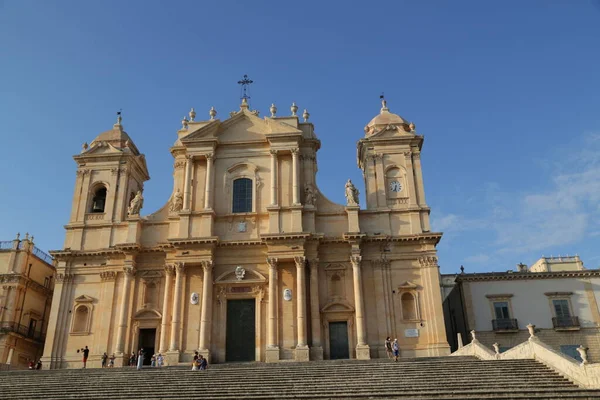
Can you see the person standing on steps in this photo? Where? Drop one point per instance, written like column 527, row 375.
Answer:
column 195, row 362
column 140, row 360
column 159, row 360
column 203, row 363
column 104, row 360
column 86, row 353
column 111, row 363
column 388, row 347
column 396, row 349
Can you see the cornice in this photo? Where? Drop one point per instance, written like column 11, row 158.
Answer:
column 240, row 243
column 283, row 236
column 187, row 241
column 511, row 276
column 67, row 253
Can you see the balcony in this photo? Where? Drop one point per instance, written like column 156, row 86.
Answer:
column 505, row 325
column 21, row 330
column 566, row 323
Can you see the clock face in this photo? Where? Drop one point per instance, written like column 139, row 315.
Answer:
column 395, row 186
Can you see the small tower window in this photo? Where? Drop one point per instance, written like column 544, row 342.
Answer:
column 99, row 200
column 242, row 195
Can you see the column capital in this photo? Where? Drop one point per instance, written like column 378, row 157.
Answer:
column 62, row 278
column 300, row 261
column 189, row 157
column 407, row 154
column 209, row 156
column 207, row 265
column 108, row 276
column 428, row 261
column 295, row 151
column 179, row 267
column 129, row 271
column 272, row 261
column 273, row 152
column 356, row 260
column 169, row 269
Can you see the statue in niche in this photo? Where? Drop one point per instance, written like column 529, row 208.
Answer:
column 351, row 194
column 176, row 201
column 310, row 195
column 136, row 204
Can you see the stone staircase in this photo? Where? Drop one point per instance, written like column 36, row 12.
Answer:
column 419, row 378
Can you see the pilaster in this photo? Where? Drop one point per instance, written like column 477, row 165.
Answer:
column 362, row 348
column 206, row 316
column 272, row 351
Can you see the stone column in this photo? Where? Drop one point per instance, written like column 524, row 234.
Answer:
column 9, row 306
column 206, row 317
column 164, row 324
column 187, row 185
column 129, row 273
column 175, row 321
column 10, row 355
column 296, row 192
column 209, row 182
column 274, row 168
column 362, row 348
column 302, row 352
column 272, row 351
column 315, row 311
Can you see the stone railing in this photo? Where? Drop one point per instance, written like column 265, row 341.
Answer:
column 583, row 374
column 6, row 245
column 42, row 255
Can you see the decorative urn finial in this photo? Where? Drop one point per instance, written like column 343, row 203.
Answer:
column 26, row 235
column 294, row 109
column 192, row 115
column 411, row 126
column 273, row 110
column 184, row 123
column 212, row 113
column 84, row 147
column 244, row 103
column 18, row 235
column 305, row 115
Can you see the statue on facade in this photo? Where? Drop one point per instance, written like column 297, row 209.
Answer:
column 351, row 194
column 310, row 195
column 176, row 201
column 136, row 204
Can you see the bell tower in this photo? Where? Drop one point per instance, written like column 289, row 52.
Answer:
column 390, row 157
column 110, row 171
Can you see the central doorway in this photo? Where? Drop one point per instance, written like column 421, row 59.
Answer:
column 241, row 330
column 338, row 340
column 146, row 341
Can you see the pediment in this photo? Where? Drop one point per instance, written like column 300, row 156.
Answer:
column 391, row 131
column 102, row 148
column 408, row 285
column 147, row 314
column 244, row 126
column 249, row 276
column 84, row 299
column 337, row 306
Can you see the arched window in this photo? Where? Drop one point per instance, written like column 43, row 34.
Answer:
column 409, row 309
column 80, row 319
column 99, row 200
column 242, row 195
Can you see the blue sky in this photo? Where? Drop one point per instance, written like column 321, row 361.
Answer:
column 507, row 95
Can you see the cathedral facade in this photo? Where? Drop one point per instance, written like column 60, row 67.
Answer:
column 248, row 260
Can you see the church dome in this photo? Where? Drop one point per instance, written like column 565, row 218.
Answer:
column 117, row 138
column 384, row 119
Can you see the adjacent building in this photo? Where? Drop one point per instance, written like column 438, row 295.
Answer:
column 26, row 276
column 556, row 294
column 247, row 259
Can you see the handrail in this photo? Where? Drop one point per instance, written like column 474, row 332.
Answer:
column 22, row 330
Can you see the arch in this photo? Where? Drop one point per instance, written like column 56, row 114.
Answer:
column 409, row 306
column 243, row 170
column 395, row 182
column 98, row 203
column 243, row 195
column 81, row 319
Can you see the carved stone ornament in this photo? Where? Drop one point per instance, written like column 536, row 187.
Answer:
column 239, row 273
column 61, row 278
column 176, row 204
column 287, row 294
column 355, row 260
column 169, row 269
column 310, row 195
column 351, row 194
column 194, row 298
column 300, row 261
column 206, row 265
column 108, row 276
column 179, row 164
column 242, row 226
column 272, row 261
column 136, row 204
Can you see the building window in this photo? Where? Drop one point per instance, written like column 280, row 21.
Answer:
column 561, row 308
column 501, row 310
column 99, row 200
column 409, row 309
column 242, row 195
